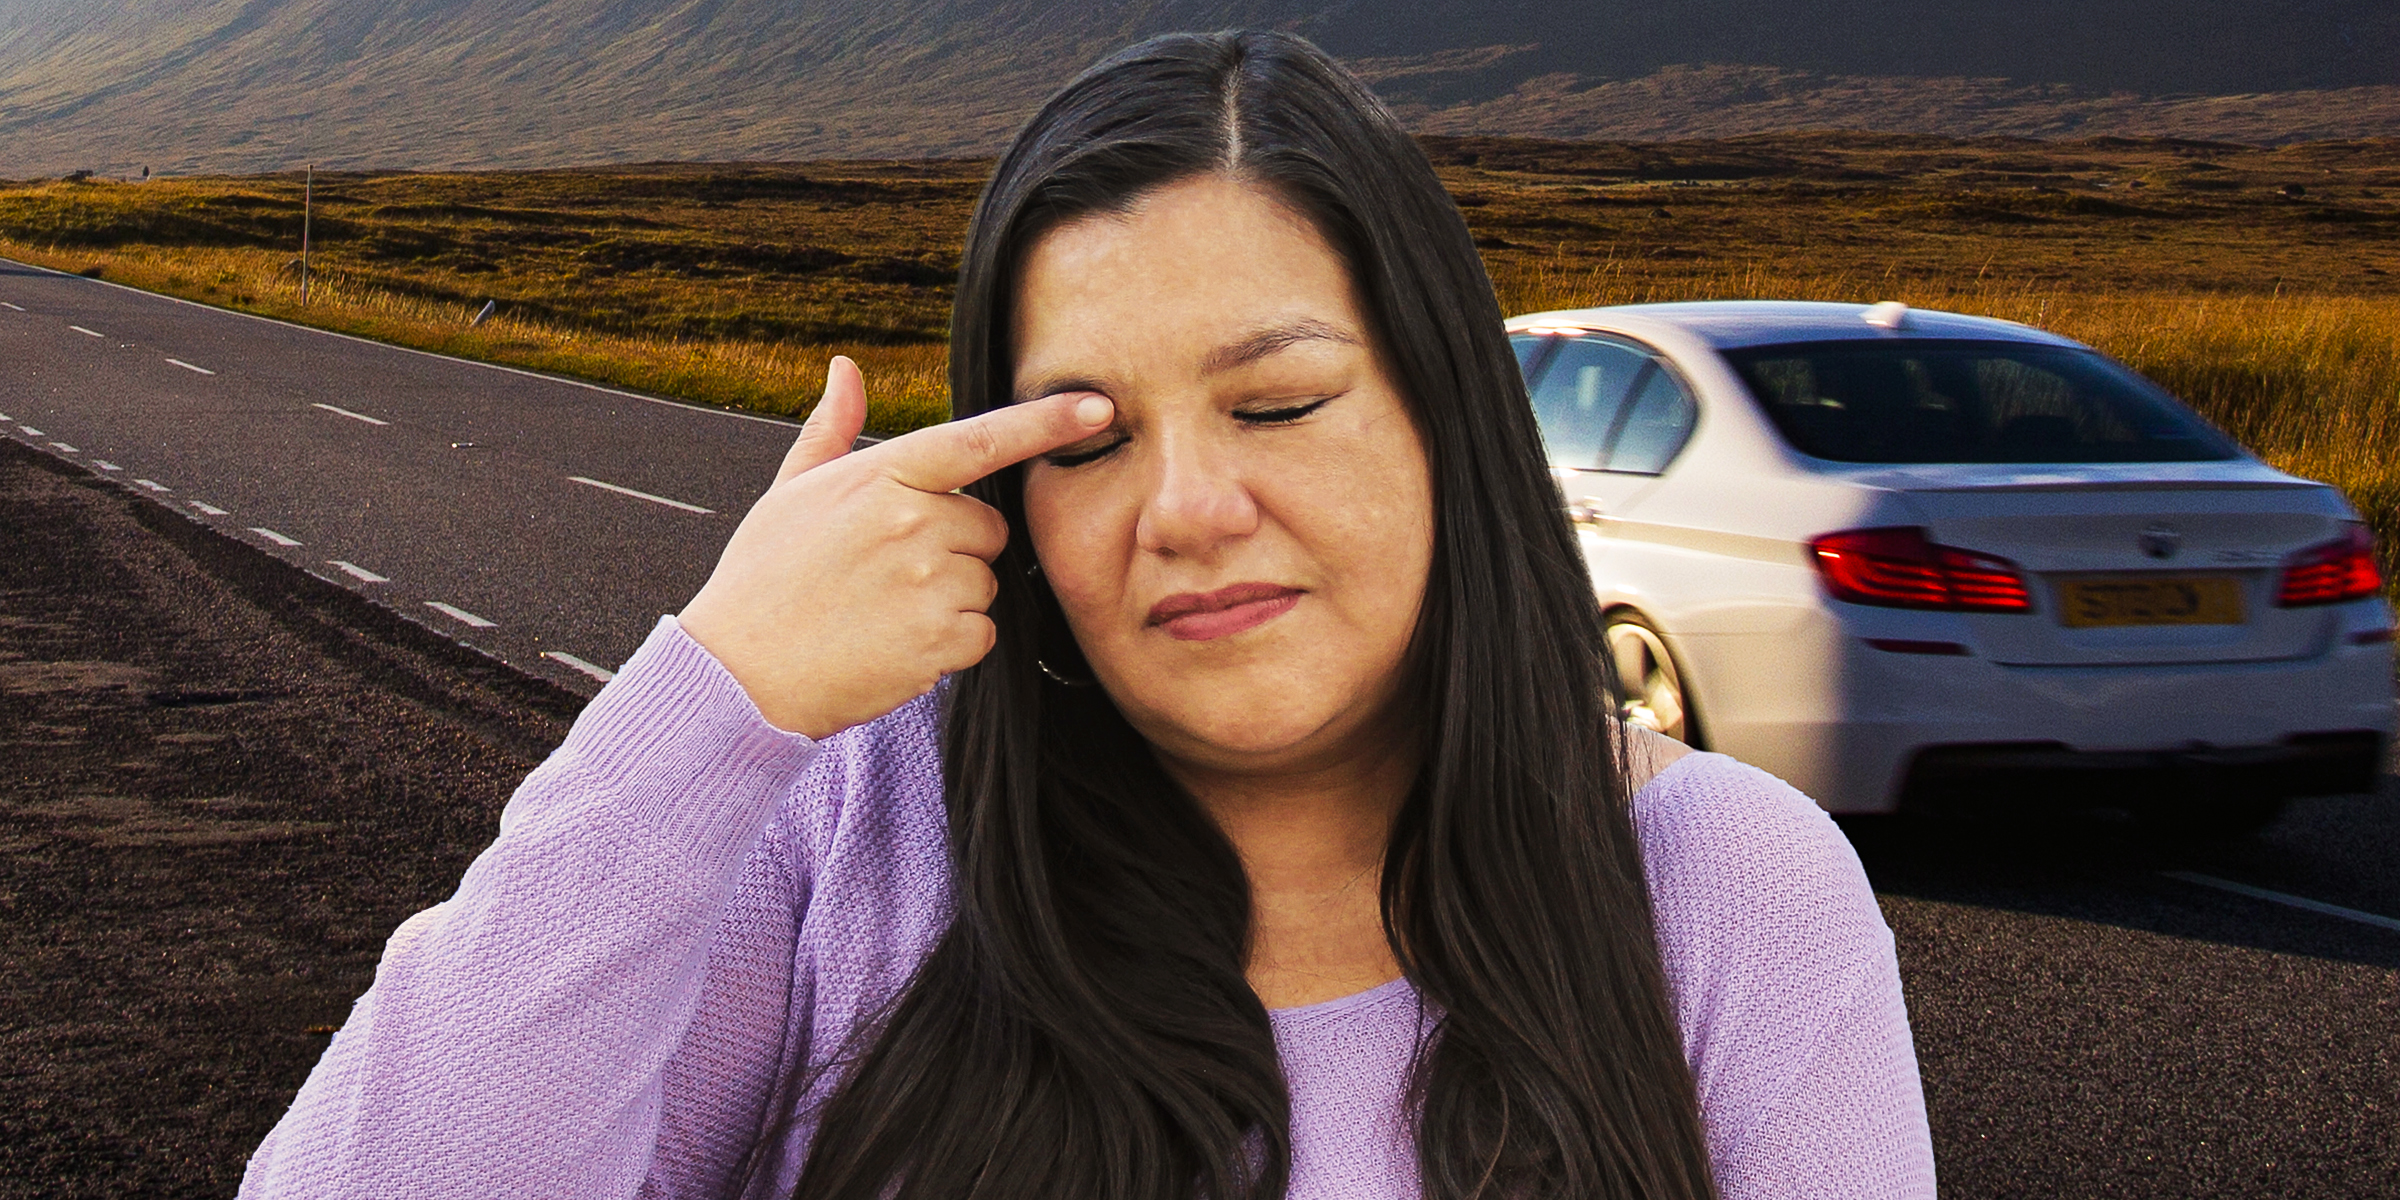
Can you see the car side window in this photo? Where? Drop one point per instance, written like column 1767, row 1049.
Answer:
column 1531, row 349
column 1654, row 426
column 1580, row 395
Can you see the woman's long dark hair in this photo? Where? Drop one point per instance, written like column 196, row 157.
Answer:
column 1085, row 1030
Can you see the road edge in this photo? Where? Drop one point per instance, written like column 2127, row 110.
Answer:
column 386, row 647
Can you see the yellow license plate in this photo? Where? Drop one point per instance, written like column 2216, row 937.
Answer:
column 2150, row 600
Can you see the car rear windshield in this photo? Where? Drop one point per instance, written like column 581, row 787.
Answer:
column 1939, row 401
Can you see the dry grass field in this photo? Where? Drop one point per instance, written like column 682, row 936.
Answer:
column 2262, row 285
column 728, row 285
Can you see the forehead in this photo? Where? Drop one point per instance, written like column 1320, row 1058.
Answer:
column 1182, row 270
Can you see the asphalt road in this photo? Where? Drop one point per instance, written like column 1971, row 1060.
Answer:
column 546, row 522
column 2090, row 1021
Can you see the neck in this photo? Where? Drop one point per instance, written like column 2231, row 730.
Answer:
column 1312, row 843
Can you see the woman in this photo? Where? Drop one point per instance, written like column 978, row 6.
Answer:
column 1268, row 835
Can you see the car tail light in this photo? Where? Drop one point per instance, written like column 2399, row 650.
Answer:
column 2339, row 570
column 1898, row 568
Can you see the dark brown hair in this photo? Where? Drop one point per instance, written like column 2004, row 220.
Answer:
column 1084, row 1030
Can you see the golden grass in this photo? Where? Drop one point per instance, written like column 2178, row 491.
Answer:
column 908, row 383
column 2311, row 383
column 725, row 284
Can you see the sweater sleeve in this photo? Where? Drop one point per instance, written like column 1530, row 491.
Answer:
column 1786, row 987
column 518, row 1036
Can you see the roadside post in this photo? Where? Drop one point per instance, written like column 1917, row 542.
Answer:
column 308, row 204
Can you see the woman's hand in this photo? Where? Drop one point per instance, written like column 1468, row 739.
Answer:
column 860, row 579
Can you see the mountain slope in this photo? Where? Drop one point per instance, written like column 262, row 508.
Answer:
column 185, row 85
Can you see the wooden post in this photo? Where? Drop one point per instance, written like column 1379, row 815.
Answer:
column 308, row 204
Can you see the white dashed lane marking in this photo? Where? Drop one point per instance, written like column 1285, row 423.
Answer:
column 595, row 670
column 343, row 412
column 351, row 569
column 359, row 573
column 456, row 613
column 2302, row 903
column 626, row 491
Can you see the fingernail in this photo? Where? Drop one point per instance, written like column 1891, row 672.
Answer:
column 1093, row 410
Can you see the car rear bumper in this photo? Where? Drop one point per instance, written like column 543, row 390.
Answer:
column 1893, row 727
column 2001, row 777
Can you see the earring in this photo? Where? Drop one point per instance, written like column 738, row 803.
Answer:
column 1055, row 677
column 1053, row 626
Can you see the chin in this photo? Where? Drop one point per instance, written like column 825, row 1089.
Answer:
column 1228, row 726
column 1246, row 735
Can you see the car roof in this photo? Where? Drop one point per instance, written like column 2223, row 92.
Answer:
column 1729, row 324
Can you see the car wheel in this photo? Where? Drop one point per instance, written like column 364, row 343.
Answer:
column 1651, row 688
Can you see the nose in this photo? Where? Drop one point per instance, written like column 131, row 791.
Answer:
column 1198, row 501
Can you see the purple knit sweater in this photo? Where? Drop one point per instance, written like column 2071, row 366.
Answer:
column 686, row 905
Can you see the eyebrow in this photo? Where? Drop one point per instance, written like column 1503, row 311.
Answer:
column 1272, row 340
column 1241, row 352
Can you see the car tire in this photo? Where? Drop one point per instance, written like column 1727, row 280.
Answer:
column 1654, row 690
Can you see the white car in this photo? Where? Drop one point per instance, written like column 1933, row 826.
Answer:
column 1901, row 557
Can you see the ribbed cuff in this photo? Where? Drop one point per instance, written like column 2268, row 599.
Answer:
column 682, row 746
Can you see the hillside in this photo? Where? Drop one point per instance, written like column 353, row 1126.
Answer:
column 184, row 86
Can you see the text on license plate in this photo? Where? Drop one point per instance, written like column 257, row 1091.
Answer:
column 2150, row 600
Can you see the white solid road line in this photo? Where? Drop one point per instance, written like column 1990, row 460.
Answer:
column 595, row 670
column 359, row 573
column 69, row 449
column 7, row 304
column 106, row 465
column 459, row 614
column 154, row 485
column 343, row 412
column 87, row 332
column 274, row 537
column 2300, row 902
column 189, row 367
column 210, row 509
column 626, row 491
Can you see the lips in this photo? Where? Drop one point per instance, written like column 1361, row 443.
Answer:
column 1201, row 616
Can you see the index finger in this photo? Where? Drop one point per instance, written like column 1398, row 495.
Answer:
column 945, row 458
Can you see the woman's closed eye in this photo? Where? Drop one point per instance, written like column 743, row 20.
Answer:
column 1280, row 414
column 1077, row 456
column 1283, row 414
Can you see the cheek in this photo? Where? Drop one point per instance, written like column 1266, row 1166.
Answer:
column 1370, row 514
column 1080, row 532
